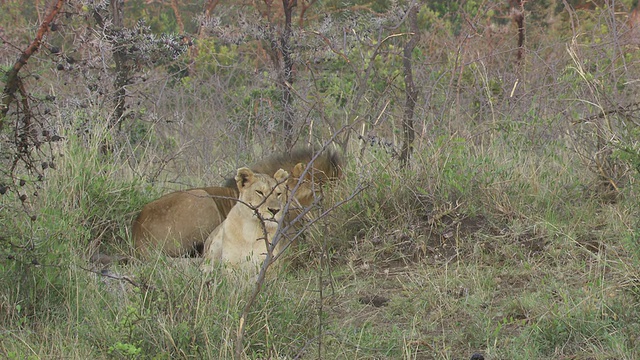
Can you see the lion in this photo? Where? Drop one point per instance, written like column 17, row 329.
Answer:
column 177, row 224
column 325, row 167
column 241, row 240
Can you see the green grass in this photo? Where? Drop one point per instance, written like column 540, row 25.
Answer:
column 515, row 233
column 504, row 243
column 479, row 250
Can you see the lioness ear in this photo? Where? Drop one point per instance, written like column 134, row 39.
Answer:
column 244, row 177
column 281, row 175
column 297, row 170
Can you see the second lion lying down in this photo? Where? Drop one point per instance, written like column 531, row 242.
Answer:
column 242, row 239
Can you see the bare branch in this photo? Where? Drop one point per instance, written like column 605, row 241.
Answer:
column 411, row 92
column 270, row 257
column 14, row 83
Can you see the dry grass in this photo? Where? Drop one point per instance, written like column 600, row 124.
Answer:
column 505, row 251
column 514, row 233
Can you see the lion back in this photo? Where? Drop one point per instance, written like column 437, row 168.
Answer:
column 178, row 223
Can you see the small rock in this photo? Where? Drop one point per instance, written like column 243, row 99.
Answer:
column 375, row 300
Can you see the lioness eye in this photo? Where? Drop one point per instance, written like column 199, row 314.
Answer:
column 260, row 192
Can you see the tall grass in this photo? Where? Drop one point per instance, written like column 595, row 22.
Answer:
column 513, row 233
column 498, row 246
column 55, row 303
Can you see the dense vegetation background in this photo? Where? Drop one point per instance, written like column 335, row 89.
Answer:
column 493, row 148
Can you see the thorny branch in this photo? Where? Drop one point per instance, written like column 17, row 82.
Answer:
column 628, row 112
column 14, row 83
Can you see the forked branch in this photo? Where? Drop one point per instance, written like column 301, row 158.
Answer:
column 13, row 82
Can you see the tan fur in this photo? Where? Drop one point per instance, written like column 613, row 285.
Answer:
column 178, row 223
column 240, row 240
column 325, row 167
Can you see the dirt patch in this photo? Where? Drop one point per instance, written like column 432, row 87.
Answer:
column 448, row 237
column 532, row 243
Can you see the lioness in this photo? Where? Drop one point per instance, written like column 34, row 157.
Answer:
column 241, row 240
column 178, row 223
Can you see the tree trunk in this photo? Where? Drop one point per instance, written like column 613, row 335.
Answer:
column 176, row 13
column 517, row 14
column 193, row 50
column 123, row 70
column 303, row 10
column 408, row 131
column 287, row 73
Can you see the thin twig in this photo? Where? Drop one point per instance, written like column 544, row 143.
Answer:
column 270, row 258
column 107, row 274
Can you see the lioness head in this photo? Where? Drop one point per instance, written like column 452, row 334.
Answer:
column 323, row 168
column 263, row 193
